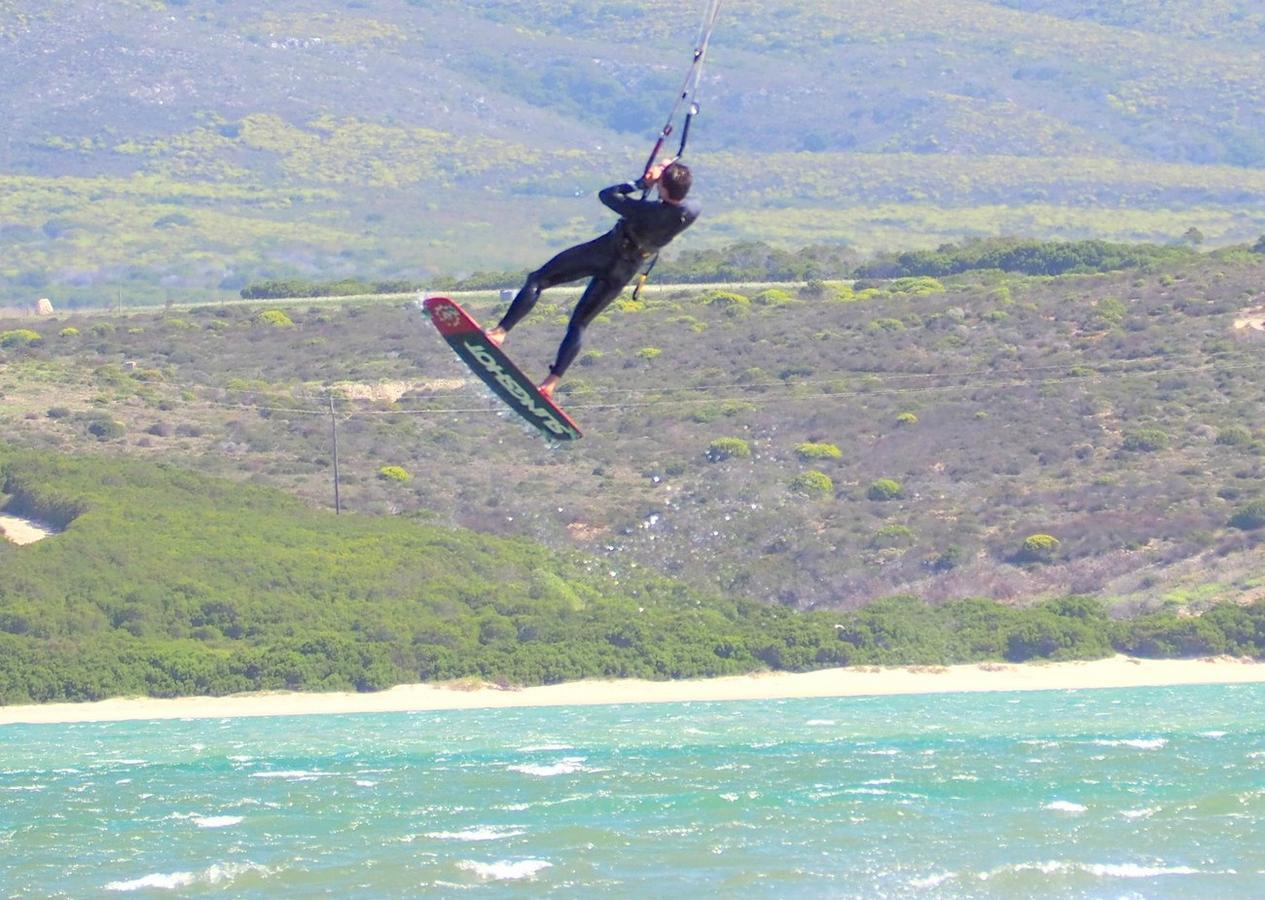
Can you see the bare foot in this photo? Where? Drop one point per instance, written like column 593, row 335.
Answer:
column 496, row 336
column 547, row 386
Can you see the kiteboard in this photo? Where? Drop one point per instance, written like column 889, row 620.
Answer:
column 498, row 371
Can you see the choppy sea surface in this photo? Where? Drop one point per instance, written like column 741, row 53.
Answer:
column 1154, row 792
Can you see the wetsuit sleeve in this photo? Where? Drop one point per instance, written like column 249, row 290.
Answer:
column 616, row 197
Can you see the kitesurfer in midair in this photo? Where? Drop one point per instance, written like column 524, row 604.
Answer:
column 610, row 261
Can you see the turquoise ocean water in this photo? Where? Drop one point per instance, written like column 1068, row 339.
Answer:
column 1109, row 793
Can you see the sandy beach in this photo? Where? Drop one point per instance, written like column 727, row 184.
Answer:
column 1117, row 672
column 22, row 531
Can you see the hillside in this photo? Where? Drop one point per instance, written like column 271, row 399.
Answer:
column 816, row 447
column 166, row 583
column 168, row 151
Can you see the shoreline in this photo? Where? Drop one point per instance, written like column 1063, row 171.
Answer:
column 1113, row 672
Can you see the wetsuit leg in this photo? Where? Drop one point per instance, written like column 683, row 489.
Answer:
column 597, row 296
column 572, row 264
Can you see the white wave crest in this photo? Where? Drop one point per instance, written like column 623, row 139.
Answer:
column 474, row 834
column 290, row 775
column 217, row 821
column 922, row 884
column 213, row 875
column 156, row 881
column 568, row 766
column 1066, row 806
column 545, row 748
column 1098, row 870
column 1133, row 870
column 506, row 869
column 1136, row 743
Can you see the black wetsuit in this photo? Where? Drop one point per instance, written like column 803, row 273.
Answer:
column 611, row 261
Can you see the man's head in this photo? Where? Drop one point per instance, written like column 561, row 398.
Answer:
column 675, row 182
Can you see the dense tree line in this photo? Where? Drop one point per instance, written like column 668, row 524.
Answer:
column 167, row 583
column 346, row 287
column 1028, row 257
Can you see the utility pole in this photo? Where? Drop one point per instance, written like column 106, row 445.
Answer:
column 333, row 426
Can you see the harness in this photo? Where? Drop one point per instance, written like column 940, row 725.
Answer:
column 629, row 246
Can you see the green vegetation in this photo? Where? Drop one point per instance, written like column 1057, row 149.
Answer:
column 274, row 318
column 813, row 484
column 271, row 594
column 18, row 337
column 1234, row 436
column 1250, row 517
column 268, row 594
column 687, row 464
column 1039, row 548
column 728, row 448
column 816, row 450
column 1029, row 257
column 885, row 489
column 1146, row 440
column 1065, row 126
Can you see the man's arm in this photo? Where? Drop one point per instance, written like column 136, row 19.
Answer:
column 617, row 197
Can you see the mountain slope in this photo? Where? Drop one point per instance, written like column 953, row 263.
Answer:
column 167, row 150
column 743, row 441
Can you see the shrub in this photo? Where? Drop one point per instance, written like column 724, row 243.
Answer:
column 726, row 299
column 1234, row 436
column 1038, row 548
column 58, row 412
column 773, row 297
column 907, row 418
column 274, row 318
column 819, row 451
column 1111, row 311
column 1146, row 440
column 813, row 289
column 892, row 536
column 20, row 337
column 813, row 484
column 103, row 428
column 880, row 325
column 920, row 285
column 1249, row 517
column 648, row 352
column 885, row 489
column 394, row 473
column 949, row 558
column 728, row 448
column 69, row 331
